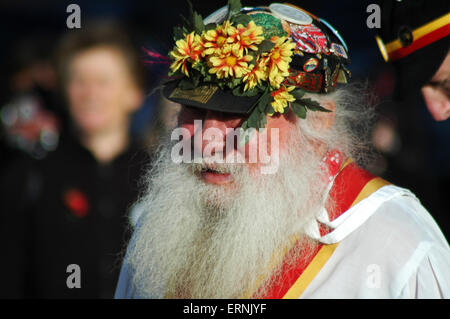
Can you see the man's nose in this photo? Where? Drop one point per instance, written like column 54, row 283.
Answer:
column 213, row 131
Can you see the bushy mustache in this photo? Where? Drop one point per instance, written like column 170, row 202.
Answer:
column 221, row 168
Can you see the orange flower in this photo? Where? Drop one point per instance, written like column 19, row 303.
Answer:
column 186, row 50
column 216, row 40
column 278, row 60
column 281, row 97
column 230, row 63
column 257, row 73
column 248, row 36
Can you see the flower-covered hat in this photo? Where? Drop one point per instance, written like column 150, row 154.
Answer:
column 256, row 61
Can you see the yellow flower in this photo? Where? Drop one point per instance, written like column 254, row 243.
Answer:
column 216, row 40
column 249, row 36
column 278, row 60
column 281, row 97
column 186, row 50
column 257, row 73
column 230, row 63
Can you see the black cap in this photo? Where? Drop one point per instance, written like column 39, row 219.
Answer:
column 415, row 37
column 209, row 97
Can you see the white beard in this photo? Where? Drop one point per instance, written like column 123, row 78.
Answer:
column 197, row 240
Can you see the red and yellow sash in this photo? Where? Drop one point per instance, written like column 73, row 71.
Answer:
column 351, row 185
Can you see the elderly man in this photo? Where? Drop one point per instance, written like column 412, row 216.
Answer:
column 316, row 225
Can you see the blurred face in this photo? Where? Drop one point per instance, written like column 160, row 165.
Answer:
column 437, row 92
column 101, row 91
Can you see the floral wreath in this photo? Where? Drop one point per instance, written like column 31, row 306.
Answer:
column 235, row 55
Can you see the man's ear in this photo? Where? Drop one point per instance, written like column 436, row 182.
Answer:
column 327, row 118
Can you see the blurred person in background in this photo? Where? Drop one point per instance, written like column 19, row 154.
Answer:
column 73, row 206
column 31, row 117
column 415, row 39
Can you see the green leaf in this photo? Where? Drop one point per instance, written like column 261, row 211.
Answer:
column 245, row 134
column 234, row 83
column 257, row 119
column 197, row 66
column 252, row 92
column 234, row 8
column 262, row 120
column 263, row 86
column 265, row 46
column 177, row 73
column 241, row 19
column 187, row 25
column 298, row 93
column 210, row 26
column 269, row 109
column 207, row 78
column 254, row 56
column 196, row 20
column 200, row 67
column 244, row 125
column 186, row 84
column 239, row 91
column 178, row 33
column 265, row 99
column 299, row 110
column 253, row 119
column 199, row 26
column 222, row 85
column 312, row 105
column 196, row 76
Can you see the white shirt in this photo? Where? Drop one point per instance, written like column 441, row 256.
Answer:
column 388, row 246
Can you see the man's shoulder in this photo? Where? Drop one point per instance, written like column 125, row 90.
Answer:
column 386, row 209
column 404, row 242
column 400, row 233
column 391, row 228
column 402, row 218
column 390, row 236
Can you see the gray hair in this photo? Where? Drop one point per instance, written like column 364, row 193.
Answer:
column 352, row 123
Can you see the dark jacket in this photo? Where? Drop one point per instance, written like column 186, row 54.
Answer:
column 63, row 210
